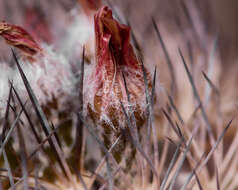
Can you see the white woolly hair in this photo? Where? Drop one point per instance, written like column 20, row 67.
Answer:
column 80, row 32
column 50, row 77
column 132, row 83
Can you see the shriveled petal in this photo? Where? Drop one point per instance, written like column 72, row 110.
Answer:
column 119, row 42
column 18, row 37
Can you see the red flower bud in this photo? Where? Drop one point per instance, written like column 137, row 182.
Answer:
column 18, row 37
column 106, row 89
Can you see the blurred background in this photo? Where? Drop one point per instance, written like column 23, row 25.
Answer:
column 205, row 31
column 206, row 17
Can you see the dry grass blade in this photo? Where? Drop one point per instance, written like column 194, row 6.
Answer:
column 105, row 183
column 27, row 115
column 6, row 113
column 150, row 125
column 217, row 179
column 148, row 99
column 155, row 139
column 168, row 60
column 215, row 89
column 190, row 21
column 179, row 131
column 137, row 144
column 97, row 139
column 192, row 172
column 212, row 150
column 175, row 128
column 215, row 145
column 182, row 160
column 114, row 11
column 14, row 111
column 135, row 131
column 41, row 144
column 230, row 154
column 100, row 179
column 210, row 72
column 134, row 40
column 100, row 165
column 81, row 179
column 77, row 148
column 36, row 179
column 196, row 95
column 127, row 92
column 93, row 134
column 43, row 121
column 132, row 123
column 175, row 109
column 109, row 173
column 185, row 9
column 198, row 181
column 6, row 163
column 230, row 174
column 16, row 184
column 153, row 87
column 164, row 154
column 14, row 124
column 56, row 136
column 190, row 51
column 194, row 113
column 171, row 141
column 23, row 155
column 171, row 165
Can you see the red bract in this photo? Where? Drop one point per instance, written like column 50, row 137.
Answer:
column 19, row 38
column 115, row 57
column 37, row 25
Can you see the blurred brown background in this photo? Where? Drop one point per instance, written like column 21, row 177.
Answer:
column 215, row 15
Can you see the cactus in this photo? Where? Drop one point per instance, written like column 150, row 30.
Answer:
column 136, row 113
